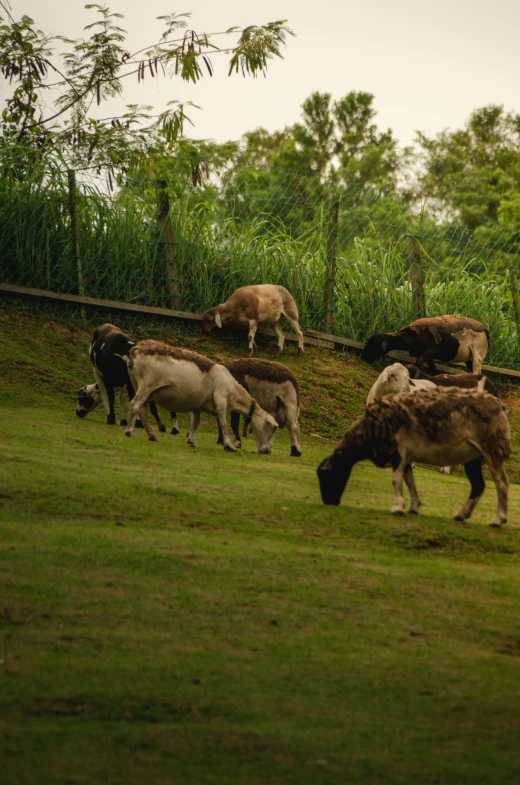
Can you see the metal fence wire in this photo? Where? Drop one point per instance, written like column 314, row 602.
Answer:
column 357, row 261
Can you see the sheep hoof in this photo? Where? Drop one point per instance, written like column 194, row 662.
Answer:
column 192, row 445
column 111, row 419
column 413, row 512
column 153, row 438
column 162, row 428
column 174, row 431
column 278, row 350
column 397, row 512
column 295, row 452
column 458, row 518
column 124, row 422
column 230, row 448
column 238, row 445
column 129, row 434
column 497, row 524
column 301, row 352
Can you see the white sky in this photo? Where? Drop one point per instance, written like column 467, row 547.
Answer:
column 427, row 64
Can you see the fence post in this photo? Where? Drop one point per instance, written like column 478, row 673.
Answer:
column 330, row 268
column 74, row 219
column 169, row 246
column 416, row 277
column 513, row 280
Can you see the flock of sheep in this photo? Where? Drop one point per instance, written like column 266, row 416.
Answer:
column 439, row 419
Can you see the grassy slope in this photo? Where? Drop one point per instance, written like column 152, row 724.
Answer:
column 200, row 617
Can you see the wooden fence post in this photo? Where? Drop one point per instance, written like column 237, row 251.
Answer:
column 330, row 267
column 513, row 280
column 169, row 246
column 74, row 219
column 416, row 277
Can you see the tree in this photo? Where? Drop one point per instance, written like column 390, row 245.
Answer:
column 94, row 71
column 473, row 174
column 335, row 146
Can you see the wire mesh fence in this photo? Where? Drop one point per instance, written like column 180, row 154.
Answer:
column 356, row 260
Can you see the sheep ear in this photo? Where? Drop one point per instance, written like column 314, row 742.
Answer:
column 218, row 320
column 385, row 376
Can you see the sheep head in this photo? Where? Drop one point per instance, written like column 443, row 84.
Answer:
column 210, row 320
column 375, row 347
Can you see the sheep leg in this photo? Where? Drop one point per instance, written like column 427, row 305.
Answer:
column 104, row 395
column 221, row 412
column 122, row 411
column 294, row 430
column 446, row 469
column 155, row 415
column 281, row 337
column 193, row 424
column 397, row 482
column 175, row 425
column 131, row 393
column 235, row 427
column 473, row 471
column 138, row 402
column 143, row 413
column 298, row 332
column 427, row 358
column 409, row 479
column 253, row 324
column 499, row 476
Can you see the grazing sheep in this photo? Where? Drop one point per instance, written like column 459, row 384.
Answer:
column 466, row 381
column 89, row 398
column 431, row 426
column 445, row 338
column 275, row 388
column 253, row 305
column 396, row 379
column 181, row 380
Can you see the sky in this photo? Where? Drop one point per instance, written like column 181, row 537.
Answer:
column 428, row 65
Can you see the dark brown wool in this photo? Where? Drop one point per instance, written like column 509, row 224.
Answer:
column 160, row 349
column 266, row 370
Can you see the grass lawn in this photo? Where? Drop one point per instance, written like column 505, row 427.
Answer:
column 179, row 616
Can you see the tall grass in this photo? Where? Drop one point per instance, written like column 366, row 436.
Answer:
column 122, row 258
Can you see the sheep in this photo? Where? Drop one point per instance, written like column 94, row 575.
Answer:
column 253, row 305
column 447, row 338
column 181, row 380
column 89, row 398
column 276, row 390
column 111, row 373
column 432, row 426
column 465, row 381
column 396, row 379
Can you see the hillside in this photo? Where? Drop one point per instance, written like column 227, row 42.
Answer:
column 45, row 354
column 200, row 617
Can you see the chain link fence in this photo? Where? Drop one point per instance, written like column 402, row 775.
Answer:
column 356, row 260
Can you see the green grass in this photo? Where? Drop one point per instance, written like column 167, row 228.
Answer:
column 179, row 616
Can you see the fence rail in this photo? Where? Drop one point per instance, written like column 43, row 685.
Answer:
column 311, row 337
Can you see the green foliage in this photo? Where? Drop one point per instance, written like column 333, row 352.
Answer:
column 475, row 172
column 94, row 70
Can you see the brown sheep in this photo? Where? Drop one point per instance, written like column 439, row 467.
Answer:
column 253, row 305
column 446, row 338
column 431, row 426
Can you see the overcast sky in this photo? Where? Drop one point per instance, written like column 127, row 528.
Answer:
column 427, row 64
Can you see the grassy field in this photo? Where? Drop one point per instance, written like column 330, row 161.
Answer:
column 179, row 616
